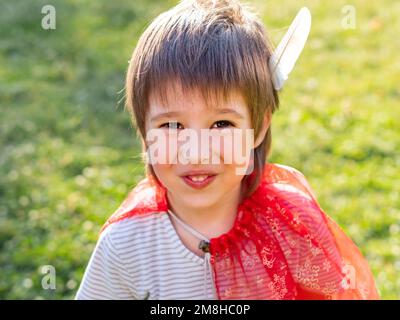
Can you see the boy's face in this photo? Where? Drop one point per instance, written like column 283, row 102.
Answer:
column 196, row 173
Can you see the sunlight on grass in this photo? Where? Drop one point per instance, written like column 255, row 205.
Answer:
column 69, row 155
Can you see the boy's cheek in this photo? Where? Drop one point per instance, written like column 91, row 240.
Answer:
column 236, row 150
column 165, row 174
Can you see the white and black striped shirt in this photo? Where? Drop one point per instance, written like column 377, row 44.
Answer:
column 142, row 257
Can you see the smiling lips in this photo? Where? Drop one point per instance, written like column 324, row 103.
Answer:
column 198, row 180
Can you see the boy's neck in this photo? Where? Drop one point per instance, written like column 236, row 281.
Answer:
column 209, row 221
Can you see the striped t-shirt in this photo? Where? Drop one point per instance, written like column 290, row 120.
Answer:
column 143, row 257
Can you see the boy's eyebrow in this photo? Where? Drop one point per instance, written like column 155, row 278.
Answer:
column 172, row 114
column 232, row 111
column 169, row 114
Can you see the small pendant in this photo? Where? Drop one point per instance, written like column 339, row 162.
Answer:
column 204, row 245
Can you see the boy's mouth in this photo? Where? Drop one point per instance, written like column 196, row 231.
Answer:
column 198, row 181
column 198, row 178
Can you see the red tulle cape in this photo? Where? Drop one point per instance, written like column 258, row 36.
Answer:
column 281, row 246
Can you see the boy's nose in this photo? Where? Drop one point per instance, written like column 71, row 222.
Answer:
column 196, row 149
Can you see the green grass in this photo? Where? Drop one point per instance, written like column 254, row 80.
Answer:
column 69, row 155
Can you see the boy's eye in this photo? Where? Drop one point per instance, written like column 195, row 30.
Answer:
column 171, row 125
column 177, row 125
column 224, row 123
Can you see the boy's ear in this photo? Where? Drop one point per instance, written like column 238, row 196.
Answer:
column 265, row 125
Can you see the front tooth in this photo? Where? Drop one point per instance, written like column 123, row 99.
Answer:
column 198, row 178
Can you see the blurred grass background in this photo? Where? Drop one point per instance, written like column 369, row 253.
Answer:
column 69, row 155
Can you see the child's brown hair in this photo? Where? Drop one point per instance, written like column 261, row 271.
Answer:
column 215, row 46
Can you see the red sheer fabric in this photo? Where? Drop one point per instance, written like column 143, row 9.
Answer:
column 281, row 246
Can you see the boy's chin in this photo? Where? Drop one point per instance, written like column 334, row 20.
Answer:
column 201, row 200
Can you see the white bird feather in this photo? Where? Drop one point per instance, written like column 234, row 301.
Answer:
column 288, row 51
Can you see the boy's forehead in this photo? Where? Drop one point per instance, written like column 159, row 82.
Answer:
column 176, row 98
